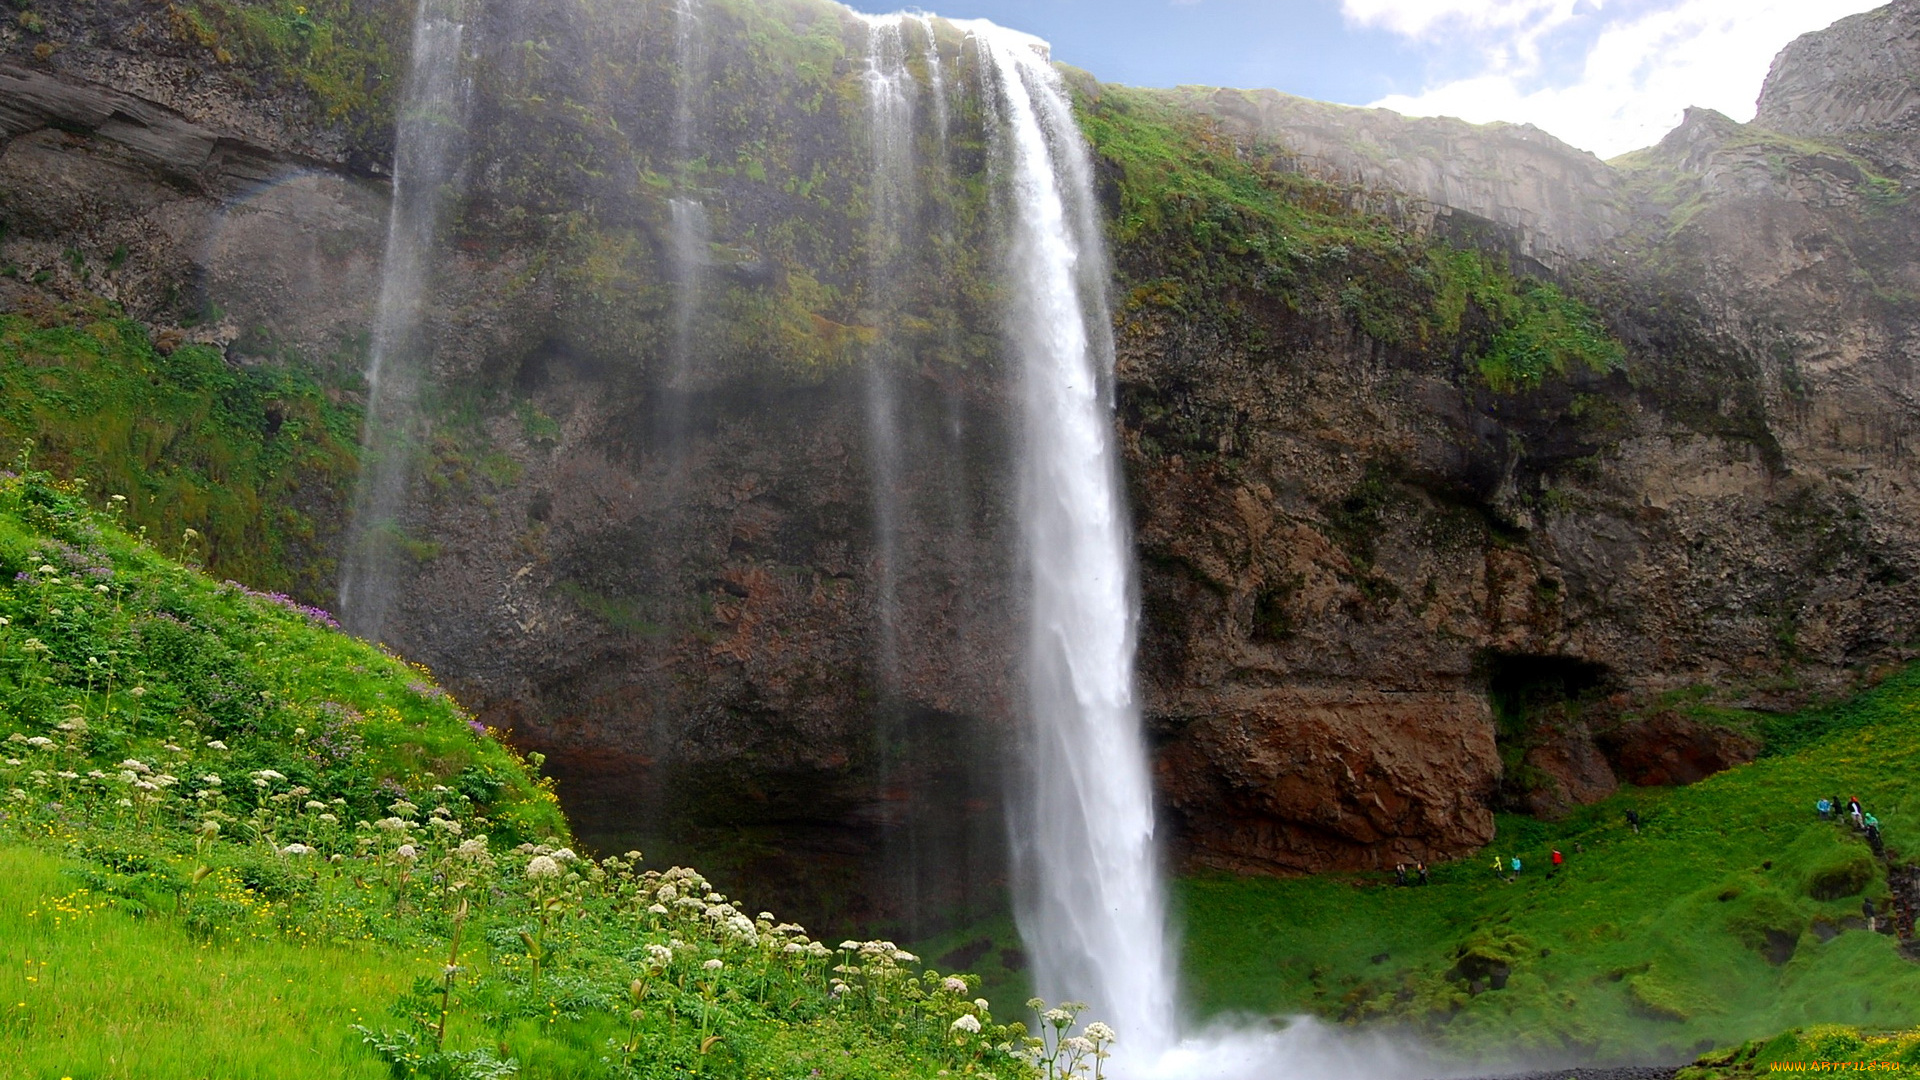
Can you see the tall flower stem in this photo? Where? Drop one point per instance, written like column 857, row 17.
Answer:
column 452, row 972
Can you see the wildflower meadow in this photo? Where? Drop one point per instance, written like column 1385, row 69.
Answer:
column 218, row 813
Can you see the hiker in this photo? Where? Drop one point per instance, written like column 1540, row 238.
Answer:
column 1400, row 874
column 1825, row 808
column 1420, row 868
column 1633, row 819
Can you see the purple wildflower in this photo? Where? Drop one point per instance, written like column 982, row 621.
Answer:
column 317, row 616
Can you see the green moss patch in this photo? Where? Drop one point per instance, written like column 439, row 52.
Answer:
column 257, row 461
column 1212, row 231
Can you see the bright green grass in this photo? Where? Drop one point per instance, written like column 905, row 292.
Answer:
column 256, row 460
column 88, row 991
column 1646, row 946
column 185, row 890
column 98, row 627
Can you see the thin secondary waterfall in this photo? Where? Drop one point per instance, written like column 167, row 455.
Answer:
column 690, row 238
column 1091, row 908
column 890, row 97
column 687, row 218
column 428, row 142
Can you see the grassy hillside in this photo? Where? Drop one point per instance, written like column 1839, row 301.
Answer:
column 236, row 843
column 1725, row 918
column 258, row 461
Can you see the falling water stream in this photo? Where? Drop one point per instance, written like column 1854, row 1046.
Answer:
column 890, row 96
column 689, row 230
column 428, row 143
column 1090, row 899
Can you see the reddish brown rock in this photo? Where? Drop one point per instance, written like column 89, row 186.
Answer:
column 1568, row 770
column 1670, row 749
column 1306, row 779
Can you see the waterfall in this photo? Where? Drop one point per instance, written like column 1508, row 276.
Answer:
column 1090, row 901
column 428, row 142
column 690, row 235
column 890, row 98
column 688, row 249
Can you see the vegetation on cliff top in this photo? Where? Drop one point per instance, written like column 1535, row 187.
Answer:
column 340, row 61
column 1214, row 231
column 238, row 841
column 258, row 460
column 347, row 56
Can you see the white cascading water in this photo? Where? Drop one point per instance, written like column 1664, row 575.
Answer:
column 687, row 248
column 890, row 107
column 1090, row 904
column 427, row 148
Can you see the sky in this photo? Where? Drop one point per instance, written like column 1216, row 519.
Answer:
column 1604, row 75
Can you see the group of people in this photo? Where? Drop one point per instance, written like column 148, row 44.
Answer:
column 1864, row 823
column 1511, row 866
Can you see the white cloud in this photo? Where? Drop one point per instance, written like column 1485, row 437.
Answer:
column 1638, row 74
column 1418, row 18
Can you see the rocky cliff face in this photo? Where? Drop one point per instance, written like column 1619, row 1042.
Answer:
column 1384, row 589
column 1587, row 557
column 1854, row 78
column 1549, row 202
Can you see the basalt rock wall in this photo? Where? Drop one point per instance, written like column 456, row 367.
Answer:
column 1383, row 591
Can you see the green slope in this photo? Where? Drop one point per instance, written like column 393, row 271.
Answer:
column 236, row 843
column 1650, row 945
column 259, row 461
